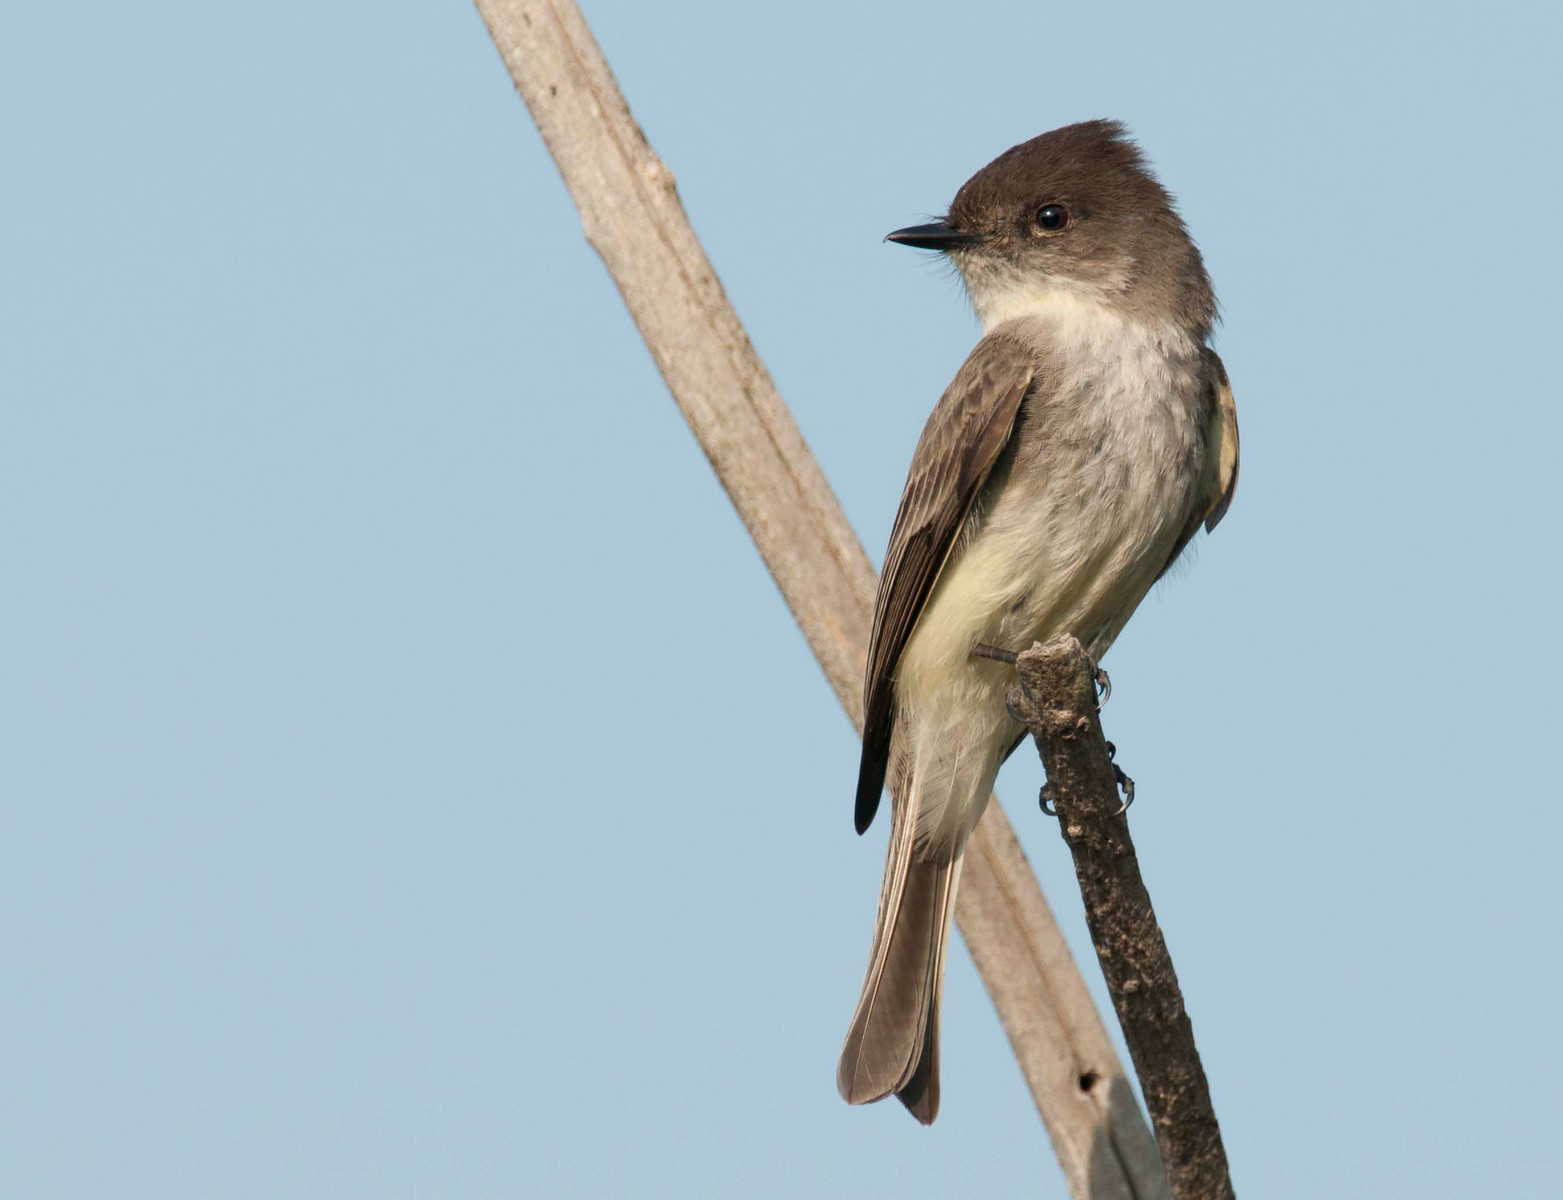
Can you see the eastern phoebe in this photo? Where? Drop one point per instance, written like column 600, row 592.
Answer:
column 1080, row 447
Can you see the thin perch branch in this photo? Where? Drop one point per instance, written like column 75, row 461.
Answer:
column 632, row 216
column 1056, row 698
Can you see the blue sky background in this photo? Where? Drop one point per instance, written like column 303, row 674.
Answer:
column 386, row 814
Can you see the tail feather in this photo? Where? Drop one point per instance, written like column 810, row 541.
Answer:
column 920, row 1093
column 892, row 1046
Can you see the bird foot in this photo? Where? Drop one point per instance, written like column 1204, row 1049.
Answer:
column 1121, row 779
column 1045, row 796
column 1104, row 683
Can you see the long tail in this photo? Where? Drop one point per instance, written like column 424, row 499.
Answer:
column 893, row 1044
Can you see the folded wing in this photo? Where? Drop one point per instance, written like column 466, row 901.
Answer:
column 969, row 427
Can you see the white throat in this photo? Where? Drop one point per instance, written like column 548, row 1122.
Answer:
column 1004, row 297
column 1080, row 315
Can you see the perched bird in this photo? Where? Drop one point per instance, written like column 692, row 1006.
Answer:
column 1078, row 450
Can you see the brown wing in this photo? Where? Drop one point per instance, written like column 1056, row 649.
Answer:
column 969, row 426
column 1221, row 469
column 1225, row 441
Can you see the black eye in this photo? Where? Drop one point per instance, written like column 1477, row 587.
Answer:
column 1052, row 217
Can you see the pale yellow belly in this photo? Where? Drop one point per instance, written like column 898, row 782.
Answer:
column 1027, row 576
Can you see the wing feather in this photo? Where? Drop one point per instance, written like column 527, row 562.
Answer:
column 1225, row 440
column 968, row 428
column 1215, row 495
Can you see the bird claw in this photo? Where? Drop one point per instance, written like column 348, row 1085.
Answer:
column 1104, row 685
column 1103, row 681
column 1045, row 796
column 1123, row 781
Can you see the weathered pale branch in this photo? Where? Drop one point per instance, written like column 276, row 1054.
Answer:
column 1056, row 698
column 632, row 216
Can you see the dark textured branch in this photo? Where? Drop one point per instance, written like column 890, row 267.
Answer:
column 1056, row 698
